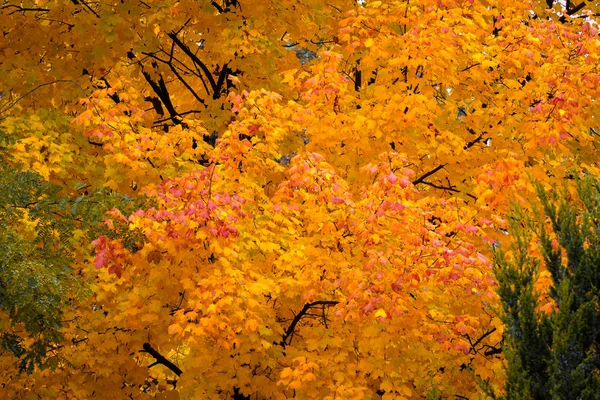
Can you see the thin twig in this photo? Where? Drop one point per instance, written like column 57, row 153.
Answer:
column 6, row 108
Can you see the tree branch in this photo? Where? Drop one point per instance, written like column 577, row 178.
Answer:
column 222, row 75
column 196, row 61
column 11, row 105
column 23, row 9
column 289, row 332
column 426, row 175
column 177, row 75
column 86, row 5
column 469, row 67
column 161, row 91
column 448, row 188
column 574, row 10
column 160, row 359
column 488, row 333
column 473, row 142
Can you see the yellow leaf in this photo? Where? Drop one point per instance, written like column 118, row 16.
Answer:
column 386, row 385
column 252, row 325
column 308, row 377
column 174, row 329
column 339, row 377
column 295, row 385
column 286, row 373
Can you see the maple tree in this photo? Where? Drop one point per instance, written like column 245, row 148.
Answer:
column 273, row 224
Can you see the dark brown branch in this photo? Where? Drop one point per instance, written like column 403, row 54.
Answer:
column 357, row 76
column 586, row 15
column 183, row 26
column 289, row 332
column 166, row 99
column 11, row 105
column 195, row 73
column 70, row 26
column 160, row 359
column 178, row 75
column 160, row 121
column 335, row 8
column 86, row 5
column 188, row 87
column 426, row 175
column 550, row 113
column 222, row 75
column 95, row 144
column 160, row 88
column 574, row 10
column 156, row 104
column 488, row 333
column 114, row 97
column 23, row 9
column 469, row 67
column 217, row 6
column 492, row 350
column 474, row 142
column 196, row 61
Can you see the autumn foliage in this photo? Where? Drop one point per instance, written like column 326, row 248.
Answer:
column 277, row 199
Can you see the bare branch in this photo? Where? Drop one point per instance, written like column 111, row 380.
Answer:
column 177, row 74
column 469, row 67
column 196, row 61
column 86, row 5
column 426, row 175
column 448, row 188
column 160, row 359
column 23, row 9
column 14, row 103
column 576, row 9
column 289, row 332
column 474, row 142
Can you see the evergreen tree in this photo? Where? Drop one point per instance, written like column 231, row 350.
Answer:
column 554, row 355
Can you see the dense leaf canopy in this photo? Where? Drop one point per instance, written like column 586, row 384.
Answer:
column 276, row 199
